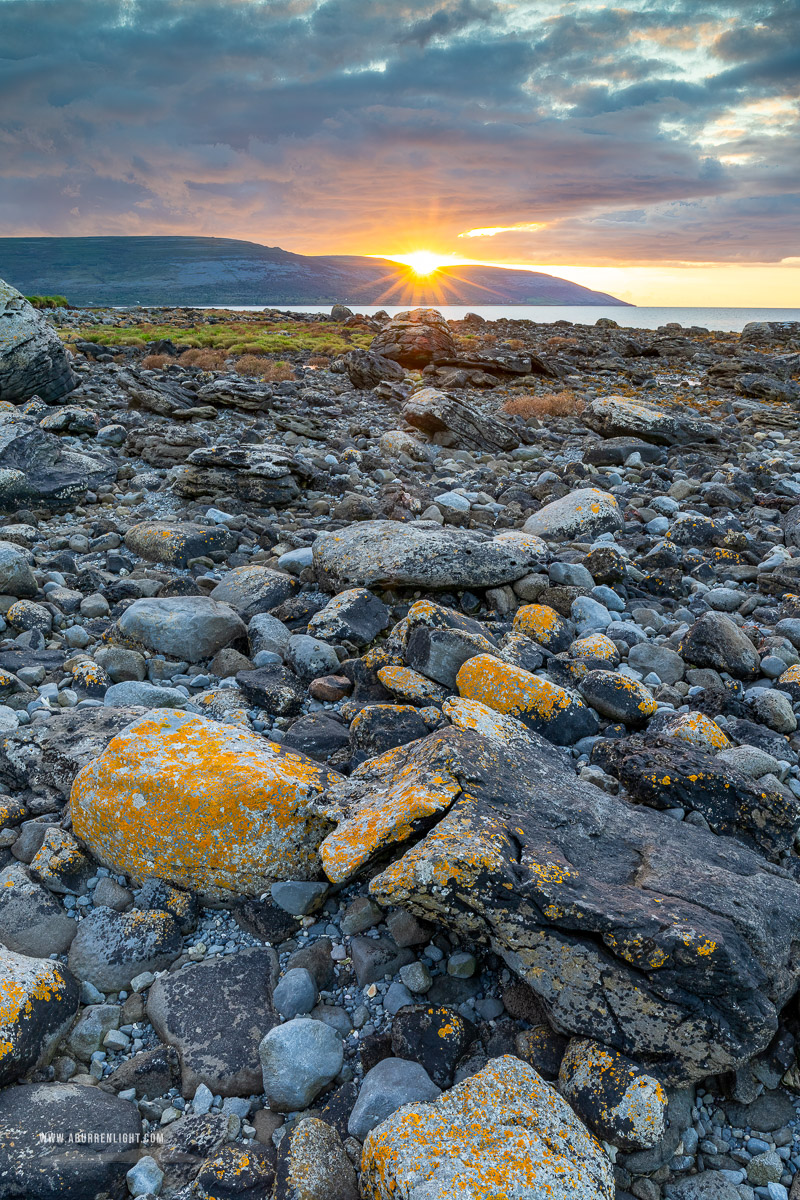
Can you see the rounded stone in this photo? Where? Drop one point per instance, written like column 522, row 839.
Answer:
column 298, row 1060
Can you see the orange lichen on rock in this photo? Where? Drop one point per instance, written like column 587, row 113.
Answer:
column 38, row 999
column 402, row 794
column 698, row 730
column 206, row 806
column 544, row 625
column 542, row 705
column 504, row 1132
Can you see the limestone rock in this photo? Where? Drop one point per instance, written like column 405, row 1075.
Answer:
column 176, row 542
column 434, row 411
column 366, row 368
column 33, row 361
column 666, row 942
column 612, row 1095
column 35, row 468
column 111, row 948
column 413, row 338
column 613, row 416
column 215, row 1013
column 502, row 1132
column 38, row 999
column 185, row 627
column 579, row 516
column 422, row 554
column 208, row 807
column 265, row 475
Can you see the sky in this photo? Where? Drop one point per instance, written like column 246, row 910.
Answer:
column 650, row 148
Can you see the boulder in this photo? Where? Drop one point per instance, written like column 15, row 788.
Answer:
column 215, row 1014
column 414, row 338
column 434, row 411
column 356, row 615
column 254, row 589
column 716, row 641
column 47, row 756
column 559, row 715
column 36, row 469
column 298, row 1060
column 655, row 937
column 111, row 948
column 63, row 1141
column 177, row 542
column 31, row 920
column 612, row 1095
column 38, row 999
column 366, row 368
column 422, row 554
column 390, row 1084
column 619, row 416
column 580, row 516
column 502, row 1132
column 33, row 361
column 313, row 1164
column 208, row 807
column 191, row 628
column 266, row 475
column 16, row 577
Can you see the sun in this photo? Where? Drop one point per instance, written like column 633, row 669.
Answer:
column 423, row 262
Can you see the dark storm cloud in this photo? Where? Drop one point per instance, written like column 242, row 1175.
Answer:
column 650, row 130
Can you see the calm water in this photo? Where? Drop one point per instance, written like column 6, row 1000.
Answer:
column 731, row 319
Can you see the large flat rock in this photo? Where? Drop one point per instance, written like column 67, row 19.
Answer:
column 669, row 943
column 422, row 554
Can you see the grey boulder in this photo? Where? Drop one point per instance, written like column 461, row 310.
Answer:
column 33, row 361
column 111, row 948
column 298, row 1060
column 422, row 554
column 580, row 516
column 390, row 1084
column 184, row 627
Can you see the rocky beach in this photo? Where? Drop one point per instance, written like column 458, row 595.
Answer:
column 399, row 757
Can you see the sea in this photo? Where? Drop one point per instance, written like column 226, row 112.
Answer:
column 731, row 320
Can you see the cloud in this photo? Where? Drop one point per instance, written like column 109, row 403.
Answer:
column 661, row 131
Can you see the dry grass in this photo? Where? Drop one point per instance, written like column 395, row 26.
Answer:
column 154, row 362
column 515, row 344
column 561, row 343
column 204, row 360
column 272, row 372
column 546, row 404
column 319, row 360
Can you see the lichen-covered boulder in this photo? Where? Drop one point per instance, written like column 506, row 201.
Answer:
column 613, row 1095
column 177, row 542
column 503, row 1132
column 545, row 626
column 656, row 937
column 559, row 715
column 422, row 554
column 38, row 999
column 613, row 416
column 33, row 362
column 580, row 516
column 414, row 337
column 208, row 807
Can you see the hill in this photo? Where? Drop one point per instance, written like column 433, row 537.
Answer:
column 202, row 270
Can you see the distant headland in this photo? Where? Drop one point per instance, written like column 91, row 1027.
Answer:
column 208, row 271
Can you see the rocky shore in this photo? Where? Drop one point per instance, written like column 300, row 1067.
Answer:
column 399, row 762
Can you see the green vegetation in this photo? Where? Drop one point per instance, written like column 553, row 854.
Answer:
column 48, row 301
column 250, row 337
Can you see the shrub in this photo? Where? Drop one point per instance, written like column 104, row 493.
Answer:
column 204, row 360
column 155, row 362
column 546, row 404
column 272, row 372
column 319, row 360
column 48, row 301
